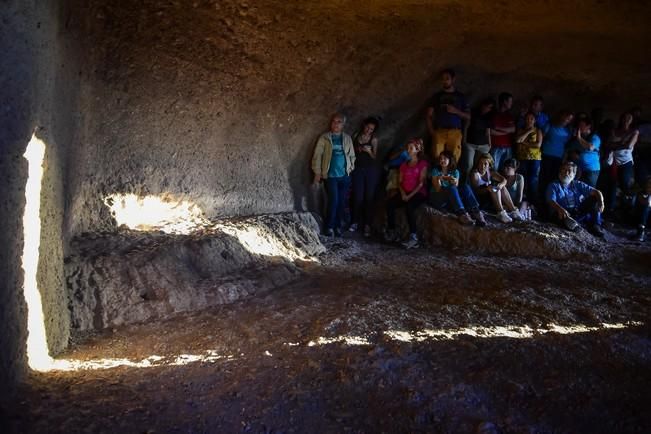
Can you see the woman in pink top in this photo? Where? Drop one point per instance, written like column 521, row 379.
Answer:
column 413, row 193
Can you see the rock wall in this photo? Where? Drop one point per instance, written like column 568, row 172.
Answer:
column 219, row 102
column 130, row 277
column 37, row 93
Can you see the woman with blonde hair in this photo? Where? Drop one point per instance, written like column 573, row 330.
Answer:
column 490, row 187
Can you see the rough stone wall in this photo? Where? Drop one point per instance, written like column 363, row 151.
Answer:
column 219, row 102
column 37, row 92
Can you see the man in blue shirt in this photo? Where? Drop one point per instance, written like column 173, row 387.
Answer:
column 536, row 107
column 574, row 203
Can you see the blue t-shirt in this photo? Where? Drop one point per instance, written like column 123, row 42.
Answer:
column 402, row 158
column 338, row 160
column 554, row 141
column 446, row 120
column 588, row 160
column 569, row 196
column 436, row 171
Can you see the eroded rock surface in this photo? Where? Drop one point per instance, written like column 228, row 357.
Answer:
column 131, row 277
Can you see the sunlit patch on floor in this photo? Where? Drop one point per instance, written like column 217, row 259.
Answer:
column 209, row 356
column 156, row 213
column 348, row 340
column 517, row 332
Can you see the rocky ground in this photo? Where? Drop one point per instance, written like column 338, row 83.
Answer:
column 374, row 338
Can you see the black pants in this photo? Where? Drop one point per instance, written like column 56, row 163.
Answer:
column 411, row 206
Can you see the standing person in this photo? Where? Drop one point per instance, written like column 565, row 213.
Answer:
column 585, row 146
column 489, row 186
column 642, row 210
column 446, row 116
column 413, row 192
column 529, row 141
column 555, row 139
column 621, row 143
column 502, row 131
column 365, row 175
column 478, row 139
column 447, row 193
column 333, row 161
column 537, row 108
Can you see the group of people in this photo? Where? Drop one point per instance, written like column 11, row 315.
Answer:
column 520, row 168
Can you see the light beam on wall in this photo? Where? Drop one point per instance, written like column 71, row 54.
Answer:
column 156, row 213
column 38, row 356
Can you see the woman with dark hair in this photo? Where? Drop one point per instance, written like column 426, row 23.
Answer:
column 447, row 193
column 490, row 187
column 413, row 192
column 478, row 138
column 365, row 175
column 529, row 140
column 621, row 144
column 515, row 184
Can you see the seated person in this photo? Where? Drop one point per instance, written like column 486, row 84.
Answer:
column 490, row 187
column 395, row 159
column 515, row 187
column 446, row 191
column 412, row 192
column 642, row 209
column 573, row 203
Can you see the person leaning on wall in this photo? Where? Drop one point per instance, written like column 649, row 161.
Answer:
column 332, row 162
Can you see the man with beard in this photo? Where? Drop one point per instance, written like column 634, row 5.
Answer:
column 574, row 203
column 446, row 116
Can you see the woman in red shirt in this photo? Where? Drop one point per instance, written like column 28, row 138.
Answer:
column 413, row 193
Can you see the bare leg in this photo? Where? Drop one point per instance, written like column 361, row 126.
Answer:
column 506, row 200
column 497, row 201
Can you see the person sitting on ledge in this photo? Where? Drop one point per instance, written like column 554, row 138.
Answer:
column 642, row 210
column 446, row 191
column 333, row 161
column 515, row 186
column 574, row 203
column 490, row 187
column 413, row 193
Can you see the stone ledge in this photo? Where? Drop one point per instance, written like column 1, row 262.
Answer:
column 129, row 277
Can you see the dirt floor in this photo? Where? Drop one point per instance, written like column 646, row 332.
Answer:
column 375, row 339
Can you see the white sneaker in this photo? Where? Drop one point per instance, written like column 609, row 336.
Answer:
column 516, row 215
column 503, row 217
column 353, row 227
column 411, row 242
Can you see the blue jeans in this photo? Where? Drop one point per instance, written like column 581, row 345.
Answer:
column 624, row 180
column 642, row 212
column 365, row 180
column 586, row 214
column 458, row 199
column 336, row 189
column 590, row 177
column 530, row 169
column 500, row 155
